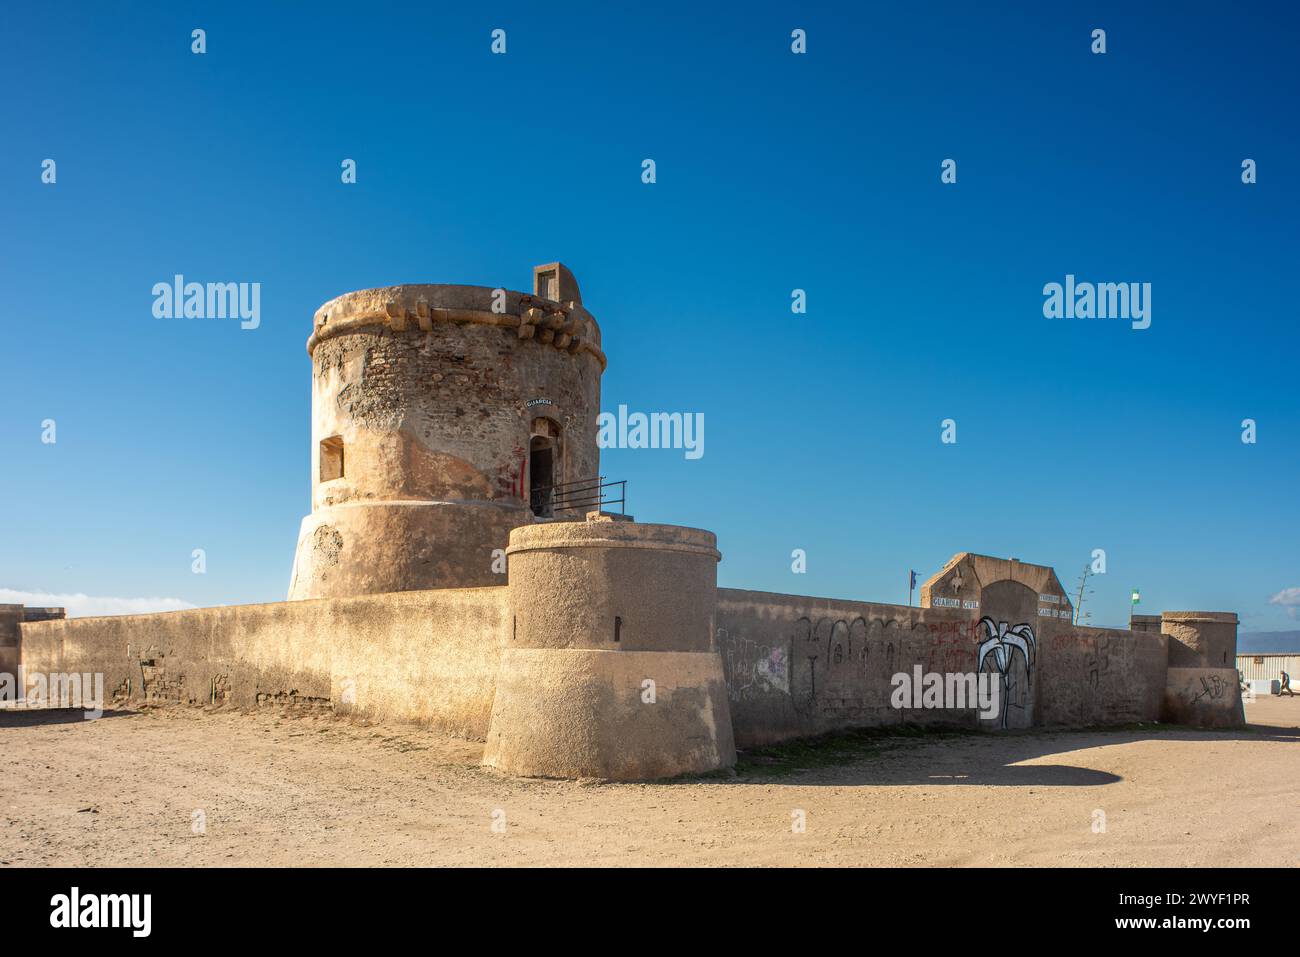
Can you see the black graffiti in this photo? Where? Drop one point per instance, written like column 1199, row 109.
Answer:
column 1213, row 687
column 830, row 652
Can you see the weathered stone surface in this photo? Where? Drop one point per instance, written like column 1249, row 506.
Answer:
column 426, row 657
column 583, row 713
column 1204, row 697
column 420, row 434
column 611, row 669
column 12, row 617
column 1200, row 639
column 799, row 666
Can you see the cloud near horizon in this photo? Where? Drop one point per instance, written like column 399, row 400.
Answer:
column 83, row 606
column 1288, row 598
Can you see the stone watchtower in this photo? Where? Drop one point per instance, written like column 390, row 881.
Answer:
column 441, row 416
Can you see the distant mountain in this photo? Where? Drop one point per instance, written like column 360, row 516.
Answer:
column 1268, row 642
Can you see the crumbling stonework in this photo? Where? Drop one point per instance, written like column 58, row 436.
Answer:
column 425, row 400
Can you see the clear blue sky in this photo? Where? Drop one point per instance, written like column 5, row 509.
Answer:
column 775, row 172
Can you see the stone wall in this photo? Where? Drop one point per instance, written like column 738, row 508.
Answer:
column 426, row 657
column 797, row 666
column 1099, row 675
column 1204, row 697
column 11, row 618
column 793, row 666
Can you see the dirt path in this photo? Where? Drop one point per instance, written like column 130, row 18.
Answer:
column 278, row 790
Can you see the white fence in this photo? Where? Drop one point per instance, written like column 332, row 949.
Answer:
column 1269, row 667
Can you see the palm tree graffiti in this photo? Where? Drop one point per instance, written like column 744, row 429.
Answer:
column 1002, row 643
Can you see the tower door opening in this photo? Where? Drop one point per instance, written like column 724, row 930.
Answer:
column 541, row 475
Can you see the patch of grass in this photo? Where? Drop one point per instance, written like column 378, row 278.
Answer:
column 1147, row 727
column 832, row 750
column 845, row 747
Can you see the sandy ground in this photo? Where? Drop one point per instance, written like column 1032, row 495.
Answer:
column 289, row 790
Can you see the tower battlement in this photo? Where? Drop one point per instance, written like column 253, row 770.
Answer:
column 564, row 324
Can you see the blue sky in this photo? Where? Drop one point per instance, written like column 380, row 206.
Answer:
column 775, row 171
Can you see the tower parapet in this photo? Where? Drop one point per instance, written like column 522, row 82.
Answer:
column 610, row 668
column 437, row 410
column 1201, row 639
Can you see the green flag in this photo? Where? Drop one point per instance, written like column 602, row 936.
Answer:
column 1136, row 596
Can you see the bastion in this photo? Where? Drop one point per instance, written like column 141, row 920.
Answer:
column 461, row 569
column 616, row 673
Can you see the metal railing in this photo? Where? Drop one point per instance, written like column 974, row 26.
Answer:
column 584, row 494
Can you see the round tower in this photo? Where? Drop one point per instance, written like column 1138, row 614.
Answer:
column 610, row 668
column 441, row 418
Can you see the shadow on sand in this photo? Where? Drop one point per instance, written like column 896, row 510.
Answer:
column 963, row 757
column 20, row 717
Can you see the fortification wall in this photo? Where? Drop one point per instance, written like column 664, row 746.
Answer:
column 798, row 666
column 1099, row 675
column 426, row 657
column 12, row 618
column 603, row 615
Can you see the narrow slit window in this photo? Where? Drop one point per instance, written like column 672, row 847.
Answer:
column 618, row 628
column 331, row 458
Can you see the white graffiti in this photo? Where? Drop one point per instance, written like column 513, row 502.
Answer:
column 1001, row 642
column 753, row 668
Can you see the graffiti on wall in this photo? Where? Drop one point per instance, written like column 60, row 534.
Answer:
column 827, row 665
column 950, row 645
column 829, row 658
column 1098, row 676
column 1099, row 660
column 1011, row 650
column 1212, row 688
column 753, row 668
column 840, row 666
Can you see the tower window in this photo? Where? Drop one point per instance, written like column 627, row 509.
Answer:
column 331, row 458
